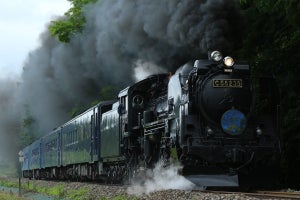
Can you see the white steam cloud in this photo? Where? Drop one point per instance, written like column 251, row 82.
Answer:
column 160, row 178
column 143, row 69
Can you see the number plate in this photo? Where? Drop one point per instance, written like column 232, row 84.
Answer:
column 228, row 83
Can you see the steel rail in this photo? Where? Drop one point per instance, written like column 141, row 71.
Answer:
column 261, row 194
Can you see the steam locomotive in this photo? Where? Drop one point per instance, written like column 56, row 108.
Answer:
column 210, row 116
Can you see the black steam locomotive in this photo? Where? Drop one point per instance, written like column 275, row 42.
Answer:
column 209, row 116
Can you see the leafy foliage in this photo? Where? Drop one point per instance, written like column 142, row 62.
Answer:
column 272, row 45
column 106, row 93
column 73, row 22
column 77, row 109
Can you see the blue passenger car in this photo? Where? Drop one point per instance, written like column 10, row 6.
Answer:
column 51, row 149
column 26, row 163
column 73, row 150
column 76, row 138
column 35, row 158
column 110, row 135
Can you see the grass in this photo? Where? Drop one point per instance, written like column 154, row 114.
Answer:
column 9, row 183
column 81, row 194
column 57, row 191
column 10, row 196
column 120, row 197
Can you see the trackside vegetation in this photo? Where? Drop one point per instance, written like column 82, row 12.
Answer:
column 58, row 191
column 10, row 196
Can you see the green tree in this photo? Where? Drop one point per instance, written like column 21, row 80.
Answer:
column 106, row 93
column 272, row 45
column 28, row 130
column 72, row 23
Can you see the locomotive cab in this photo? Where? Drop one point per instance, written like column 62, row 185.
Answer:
column 141, row 106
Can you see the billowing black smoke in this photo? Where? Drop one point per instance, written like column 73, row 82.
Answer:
column 118, row 35
column 9, row 120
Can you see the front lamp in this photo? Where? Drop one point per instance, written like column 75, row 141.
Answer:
column 228, row 61
column 216, row 56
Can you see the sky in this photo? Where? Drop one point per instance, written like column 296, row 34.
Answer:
column 21, row 23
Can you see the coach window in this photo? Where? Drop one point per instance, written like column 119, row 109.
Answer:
column 73, row 137
column 76, row 135
column 69, row 138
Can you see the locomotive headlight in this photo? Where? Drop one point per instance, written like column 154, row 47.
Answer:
column 228, row 61
column 216, row 56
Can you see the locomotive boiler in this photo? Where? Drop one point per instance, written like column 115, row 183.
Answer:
column 211, row 116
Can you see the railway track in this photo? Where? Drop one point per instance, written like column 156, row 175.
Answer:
column 263, row 194
column 277, row 194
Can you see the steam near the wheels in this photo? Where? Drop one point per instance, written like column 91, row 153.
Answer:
column 160, row 178
column 119, row 36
